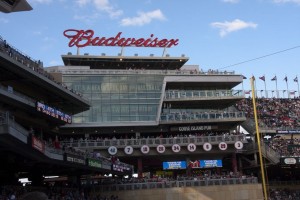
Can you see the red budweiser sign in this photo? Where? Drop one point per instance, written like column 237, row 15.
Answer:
column 82, row 38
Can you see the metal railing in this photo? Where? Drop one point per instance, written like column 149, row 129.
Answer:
column 69, row 70
column 153, row 142
column 53, row 153
column 266, row 151
column 201, row 116
column 264, row 128
column 6, row 119
column 187, row 94
column 173, row 184
column 23, row 96
column 284, row 183
column 282, row 94
column 57, row 154
column 35, row 65
column 270, row 153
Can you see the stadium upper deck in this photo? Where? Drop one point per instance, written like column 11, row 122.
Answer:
column 8, row 6
column 32, row 107
column 138, row 98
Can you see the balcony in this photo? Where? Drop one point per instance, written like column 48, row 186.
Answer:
column 154, row 142
column 205, row 117
column 200, row 94
column 176, row 184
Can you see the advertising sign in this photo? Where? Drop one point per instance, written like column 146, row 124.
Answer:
column 192, row 128
column 288, row 132
column 121, row 167
column 83, row 38
column 290, row 160
column 210, row 163
column 53, row 112
column 74, row 159
column 38, row 144
column 94, row 163
column 174, row 165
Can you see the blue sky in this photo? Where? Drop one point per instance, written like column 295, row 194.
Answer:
column 214, row 34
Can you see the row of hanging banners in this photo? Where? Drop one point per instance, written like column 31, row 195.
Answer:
column 145, row 149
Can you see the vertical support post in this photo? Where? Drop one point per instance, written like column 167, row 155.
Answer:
column 140, row 168
column 258, row 141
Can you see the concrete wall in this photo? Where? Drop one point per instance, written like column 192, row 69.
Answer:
column 229, row 192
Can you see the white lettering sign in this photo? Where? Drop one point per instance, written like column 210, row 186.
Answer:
column 112, row 150
column 207, row 146
column 238, row 145
column 176, row 148
column 222, row 146
column 191, row 147
column 145, row 149
column 128, row 150
column 161, row 148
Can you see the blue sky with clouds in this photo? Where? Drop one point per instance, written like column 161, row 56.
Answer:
column 250, row 37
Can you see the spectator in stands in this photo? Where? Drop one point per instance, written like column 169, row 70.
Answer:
column 273, row 113
column 34, row 196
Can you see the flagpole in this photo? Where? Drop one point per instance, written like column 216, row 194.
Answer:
column 276, row 89
column 243, row 87
column 296, row 80
column 274, row 79
column 298, row 89
column 244, row 77
column 266, row 93
column 287, row 87
column 266, row 90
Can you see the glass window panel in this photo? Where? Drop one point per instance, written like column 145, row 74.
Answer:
column 118, row 98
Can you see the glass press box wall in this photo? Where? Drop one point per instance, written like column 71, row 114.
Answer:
column 117, row 98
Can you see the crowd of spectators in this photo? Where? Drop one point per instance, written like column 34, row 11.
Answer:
column 80, row 138
column 61, row 191
column 60, row 148
column 199, row 175
column 190, row 115
column 185, row 71
column 87, row 154
column 276, row 114
column 285, row 147
column 273, row 113
column 284, row 194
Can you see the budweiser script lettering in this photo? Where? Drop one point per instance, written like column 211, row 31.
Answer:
column 82, row 38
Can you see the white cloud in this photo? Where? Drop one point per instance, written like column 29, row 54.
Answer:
column 102, row 5
column 143, row 18
column 37, row 32
column 3, row 21
column 287, row 1
column 88, row 19
column 231, row 1
column 40, row 1
column 54, row 63
column 82, row 2
column 228, row 27
column 106, row 6
column 49, row 39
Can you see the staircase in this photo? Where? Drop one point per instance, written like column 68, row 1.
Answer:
column 269, row 154
column 249, row 126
